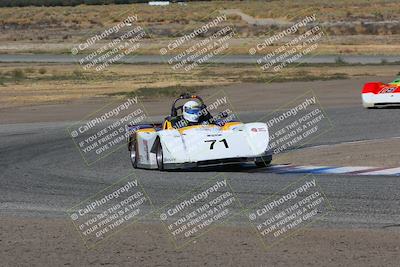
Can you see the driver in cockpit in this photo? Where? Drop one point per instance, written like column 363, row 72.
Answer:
column 192, row 114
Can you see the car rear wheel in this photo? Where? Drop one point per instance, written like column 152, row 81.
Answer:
column 132, row 152
column 264, row 161
column 160, row 157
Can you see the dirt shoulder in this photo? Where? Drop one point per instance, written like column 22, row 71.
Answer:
column 379, row 153
column 44, row 241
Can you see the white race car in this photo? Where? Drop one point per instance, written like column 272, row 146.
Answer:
column 378, row 94
column 219, row 140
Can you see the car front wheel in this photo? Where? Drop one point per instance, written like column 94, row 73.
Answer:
column 160, row 157
column 132, row 152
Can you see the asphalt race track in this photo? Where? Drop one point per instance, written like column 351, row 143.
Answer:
column 99, row 134
column 43, row 175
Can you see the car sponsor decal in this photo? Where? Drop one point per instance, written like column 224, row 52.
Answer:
column 388, row 90
column 258, row 130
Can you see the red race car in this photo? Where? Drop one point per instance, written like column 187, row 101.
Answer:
column 378, row 94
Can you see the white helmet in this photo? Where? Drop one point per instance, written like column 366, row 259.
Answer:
column 191, row 111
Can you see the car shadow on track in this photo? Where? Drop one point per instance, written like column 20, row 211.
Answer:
column 385, row 107
column 246, row 168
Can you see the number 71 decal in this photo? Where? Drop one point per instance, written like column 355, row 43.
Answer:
column 214, row 141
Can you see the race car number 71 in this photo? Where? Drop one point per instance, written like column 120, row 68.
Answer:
column 214, row 141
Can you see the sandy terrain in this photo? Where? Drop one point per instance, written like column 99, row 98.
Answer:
column 35, row 241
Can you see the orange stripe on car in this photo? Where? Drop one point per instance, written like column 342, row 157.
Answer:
column 147, row 130
column 229, row 125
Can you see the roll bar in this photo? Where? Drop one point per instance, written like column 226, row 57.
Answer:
column 174, row 108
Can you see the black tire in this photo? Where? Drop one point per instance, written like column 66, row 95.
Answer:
column 160, row 157
column 263, row 161
column 133, row 153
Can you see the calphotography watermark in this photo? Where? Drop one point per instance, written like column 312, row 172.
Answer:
column 290, row 210
column 296, row 123
column 105, row 130
column 198, row 211
column 200, row 45
column 110, row 210
column 110, row 46
column 288, row 46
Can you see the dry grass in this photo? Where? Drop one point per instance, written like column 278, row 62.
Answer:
column 63, row 83
column 86, row 16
